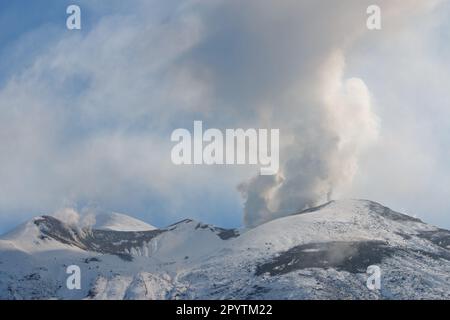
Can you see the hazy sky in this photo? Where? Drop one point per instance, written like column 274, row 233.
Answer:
column 86, row 115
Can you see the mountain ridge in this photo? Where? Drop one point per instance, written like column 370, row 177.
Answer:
column 318, row 253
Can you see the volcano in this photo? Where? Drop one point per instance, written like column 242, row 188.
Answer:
column 319, row 253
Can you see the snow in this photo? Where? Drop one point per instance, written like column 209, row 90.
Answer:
column 189, row 260
column 185, row 240
column 26, row 237
column 120, row 222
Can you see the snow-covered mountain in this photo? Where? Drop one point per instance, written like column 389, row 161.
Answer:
column 319, row 253
column 120, row 222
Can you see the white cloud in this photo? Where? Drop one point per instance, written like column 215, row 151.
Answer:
column 91, row 119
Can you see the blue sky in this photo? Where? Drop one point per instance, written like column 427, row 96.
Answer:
column 86, row 115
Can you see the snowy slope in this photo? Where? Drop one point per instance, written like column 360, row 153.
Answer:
column 319, row 253
column 120, row 222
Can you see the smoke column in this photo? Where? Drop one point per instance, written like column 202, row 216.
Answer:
column 287, row 70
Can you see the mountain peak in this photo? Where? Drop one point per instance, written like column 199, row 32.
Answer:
column 318, row 253
column 120, row 222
